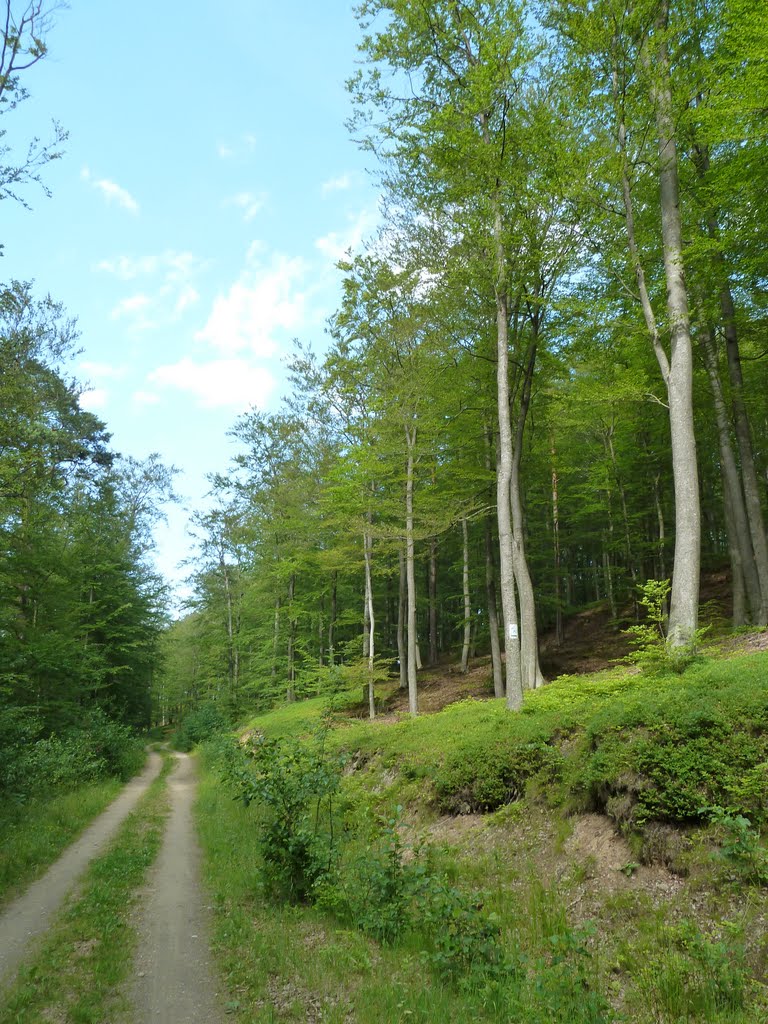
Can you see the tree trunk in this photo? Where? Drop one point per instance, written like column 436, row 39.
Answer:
column 749, row 481
column 291, row 694
column 684, row 599
column 367, row 548
column 402, row 606
column 743, row 565
column 493, row 615
column 467, row 598
column 276, row 638
column 432, row 581
column 677, row 372
column 529, row 639
column 556, row 553
column 746, row 453
column 410, row 434
column 332, row 621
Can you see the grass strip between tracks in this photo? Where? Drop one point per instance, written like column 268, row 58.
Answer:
column 76, row 973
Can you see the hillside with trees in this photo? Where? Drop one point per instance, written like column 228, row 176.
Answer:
column 545, row 383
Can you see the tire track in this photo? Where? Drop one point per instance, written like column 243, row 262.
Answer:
column 174, row 980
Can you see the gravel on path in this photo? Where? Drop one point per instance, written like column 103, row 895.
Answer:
column 28, row 916
column 174, row 981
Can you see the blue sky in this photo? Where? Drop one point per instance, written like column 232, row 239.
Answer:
column 207, row 189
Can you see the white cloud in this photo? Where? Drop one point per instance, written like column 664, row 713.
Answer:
column 262, row 303
column 339, row 184
column 102, row 371
column 187, row 297
column 132, row 305
column 230, row 150
column 337, row 244
column 146, row 397
column 168, row 297
column 232, row 383
column 111, row 191
column 93, row 398
column 249, row 202
column 128, row 268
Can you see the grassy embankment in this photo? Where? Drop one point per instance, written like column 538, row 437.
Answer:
column 665, row 922
column 35, row 832
column 78, row 971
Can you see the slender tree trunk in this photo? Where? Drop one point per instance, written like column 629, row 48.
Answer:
column 746, row 453
column 402, row 606
column 432, row 580
column 321, row 632
column 684, row 599
column 367, row 547
column 291, row 694
column 749, row 480
column 467, row 597
column 677, row 372
column 529, row 640
column 276, row 638
column 608, row 576
column 743, row 565
column 410, row 434
column 332, row 621
column 513, row 667
column 493, row 615
column 556, row 553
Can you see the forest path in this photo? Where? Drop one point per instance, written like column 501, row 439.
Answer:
column 28, row 916
column 174, row 981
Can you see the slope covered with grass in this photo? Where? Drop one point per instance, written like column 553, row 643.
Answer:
column 594, row 858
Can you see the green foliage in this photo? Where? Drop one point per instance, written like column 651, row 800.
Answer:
column 685, row 975
column 483, row 777
column 200, row 725
column 740, row 845
column 293, row 785
column 92, row 748
column 653, row 651
column 37, row 830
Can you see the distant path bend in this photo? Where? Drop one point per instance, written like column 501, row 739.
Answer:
column 30, row 914
column 174, row 980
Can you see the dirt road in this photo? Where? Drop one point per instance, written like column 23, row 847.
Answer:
column 29, row 915
column 174, row 981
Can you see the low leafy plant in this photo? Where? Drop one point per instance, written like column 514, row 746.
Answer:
column 655, row 652
column 740, row 845
column 293, row 785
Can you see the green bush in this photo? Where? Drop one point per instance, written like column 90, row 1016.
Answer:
column 96, row 747
column 484, row 777
column 200, row 725
column 292, row 785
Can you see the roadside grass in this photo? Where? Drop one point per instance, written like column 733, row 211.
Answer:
column 36, row 831
column 76, row 973
column 693, row 957
column 656, row 754
column 284, row 963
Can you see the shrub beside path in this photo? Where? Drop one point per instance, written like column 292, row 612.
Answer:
column 29, row 916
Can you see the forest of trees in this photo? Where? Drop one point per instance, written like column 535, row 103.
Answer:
column 82, row 608
column 546, row 380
